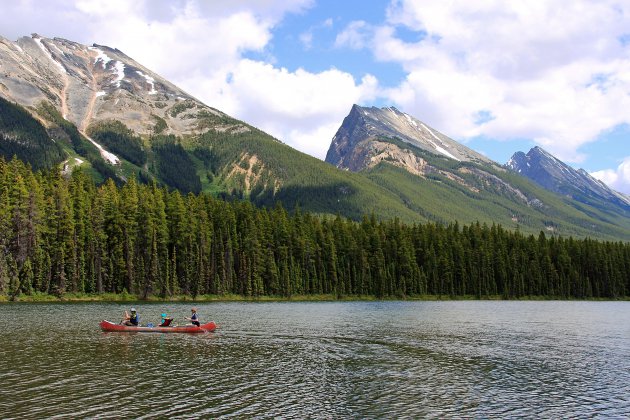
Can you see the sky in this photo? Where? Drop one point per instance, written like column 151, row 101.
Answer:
column 497, row 76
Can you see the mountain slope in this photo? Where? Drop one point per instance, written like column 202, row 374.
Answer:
column 106, row 113
column 89, row 84
column 554, row 175
column 255, row 165
column 354, row 145
column 117, row 118
column 443, row 180
column 23, row 136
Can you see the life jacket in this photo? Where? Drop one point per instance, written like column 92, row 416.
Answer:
column 134, row 319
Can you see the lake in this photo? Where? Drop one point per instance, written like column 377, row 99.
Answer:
column 320, row 360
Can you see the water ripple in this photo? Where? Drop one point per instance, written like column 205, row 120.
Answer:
column 322, row 360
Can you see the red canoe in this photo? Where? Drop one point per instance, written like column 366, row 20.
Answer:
column 188, row 329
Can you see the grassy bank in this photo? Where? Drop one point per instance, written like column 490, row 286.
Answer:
column 127, row 297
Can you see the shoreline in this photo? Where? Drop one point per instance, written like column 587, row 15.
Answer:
column 126, row 297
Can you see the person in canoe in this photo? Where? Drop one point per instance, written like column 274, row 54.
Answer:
column 194, row 319
column 166, row 321
column 131, row 319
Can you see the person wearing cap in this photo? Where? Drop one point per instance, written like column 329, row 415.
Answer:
column 194, row 319
column 132, row 319
column 166, row 321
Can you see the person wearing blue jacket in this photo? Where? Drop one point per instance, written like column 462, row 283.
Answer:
column 132, row 320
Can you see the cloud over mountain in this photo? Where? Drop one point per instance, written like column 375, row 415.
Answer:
column 555, row 72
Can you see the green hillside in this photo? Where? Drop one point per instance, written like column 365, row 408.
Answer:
column 489, row 196
column 442, row 200
column 257, row 166
column 237, row 161
column 25, row 137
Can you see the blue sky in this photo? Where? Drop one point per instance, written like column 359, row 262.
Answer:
column 307, row 40
column 498, row 76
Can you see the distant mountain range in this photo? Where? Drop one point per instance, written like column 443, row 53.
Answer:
column 554, row 175
column 444, row 180
column 68, row 105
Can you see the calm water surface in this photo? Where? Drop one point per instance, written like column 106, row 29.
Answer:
column 321, row 360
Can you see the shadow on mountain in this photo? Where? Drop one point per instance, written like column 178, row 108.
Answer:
column 329, row 199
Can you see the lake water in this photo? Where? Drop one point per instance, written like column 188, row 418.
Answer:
column 321, row 360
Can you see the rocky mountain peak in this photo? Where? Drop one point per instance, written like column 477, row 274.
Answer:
column 364, row 124
column 554, row 175
column 88, row 84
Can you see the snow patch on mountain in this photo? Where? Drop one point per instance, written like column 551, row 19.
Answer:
column 438, row 148
column 119, row 71
column 101, row 56
column 41, row 45
column 108, row 156
column 150, row 80
column 56, row 48
column 412, row 122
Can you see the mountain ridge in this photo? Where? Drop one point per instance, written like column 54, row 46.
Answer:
column 554, row 175
column 363, row 123
column 117, row 119
column 180, row 142
column 443, row 173
column 96, row 83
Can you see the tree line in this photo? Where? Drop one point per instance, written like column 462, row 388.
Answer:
column 60, row 235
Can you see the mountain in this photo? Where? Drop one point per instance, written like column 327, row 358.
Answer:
column 91, row 84
column 554, row 175
column 443, row 180
column 356, row 144
column 101, row 107
column 67, row 104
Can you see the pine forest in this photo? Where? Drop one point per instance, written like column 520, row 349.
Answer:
column 63, row 235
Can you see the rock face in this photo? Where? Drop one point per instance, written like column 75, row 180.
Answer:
column 554, row 175
column 90, row 84
column 356, row 144
column 369, row 136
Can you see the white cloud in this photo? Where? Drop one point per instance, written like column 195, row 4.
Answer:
column 355, row 35
column 301, row 108
column 618, row 179
column 176, row 38
column 556, row 72
column 306, row 38
column 190, row 40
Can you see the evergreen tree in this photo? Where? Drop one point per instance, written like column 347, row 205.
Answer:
column 61, row 235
